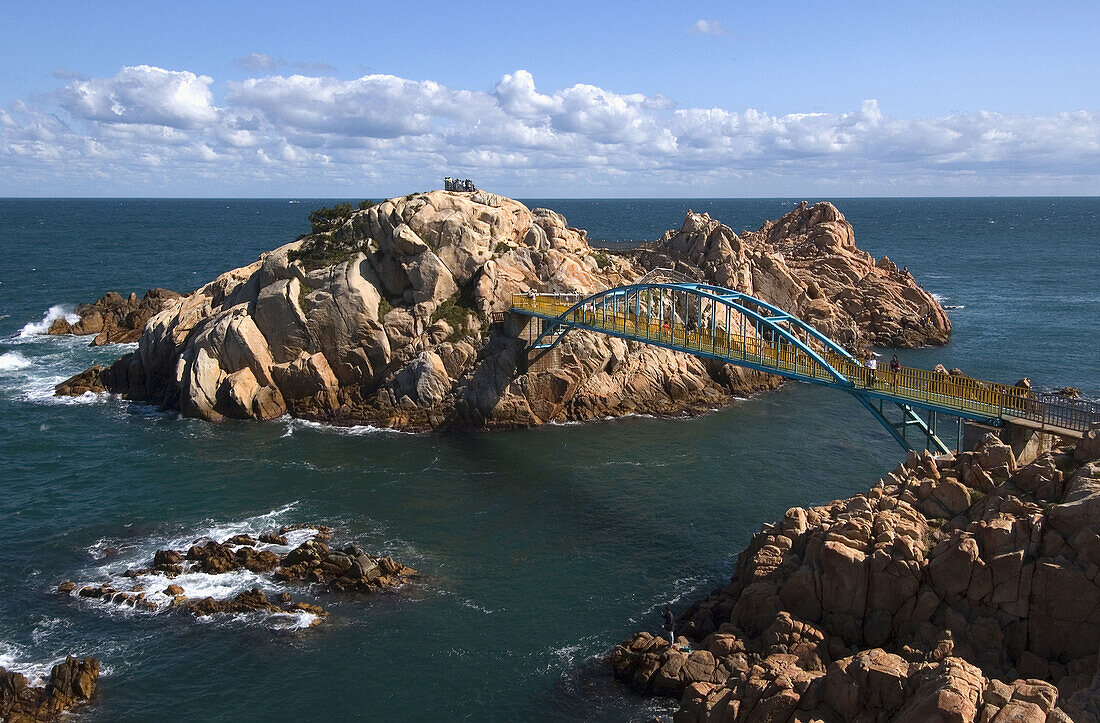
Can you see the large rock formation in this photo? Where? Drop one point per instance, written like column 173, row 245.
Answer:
column 72, row 683
column 961, row 588
column 807, row 263
column 391, row 316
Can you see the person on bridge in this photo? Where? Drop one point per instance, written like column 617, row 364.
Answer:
column 895, row 370
column 872, row 367
column 670, row 625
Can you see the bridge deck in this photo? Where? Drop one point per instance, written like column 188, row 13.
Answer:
column 960, row 396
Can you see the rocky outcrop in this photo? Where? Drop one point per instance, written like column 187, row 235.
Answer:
column 392, row 316
column 312, row 562
column 71, row 684
column 807, row 263
column 115, row 319
column 962, row 588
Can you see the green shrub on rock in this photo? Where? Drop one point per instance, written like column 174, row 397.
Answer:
column 329, row 219
column 319, row 249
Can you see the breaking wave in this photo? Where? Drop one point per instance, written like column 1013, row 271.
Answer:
column 293, row 425
column 12, row 360
column 16, row 658
column 58, row 311
column 114, row 557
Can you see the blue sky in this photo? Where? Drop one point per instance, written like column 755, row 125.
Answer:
column 550, row 99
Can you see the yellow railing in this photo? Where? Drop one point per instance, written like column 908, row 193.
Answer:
column 915, row 385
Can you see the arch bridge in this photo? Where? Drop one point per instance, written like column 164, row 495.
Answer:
column 668, row 310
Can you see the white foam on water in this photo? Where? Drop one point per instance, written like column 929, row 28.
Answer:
column 358, row 430
column 940, row 298
column 196, row 585
column 48, row 627
column 14, row 657
column 58, row 311
column 137, row 554
column 12, row 360
column 474, row 606
column 682, row 587
column 42, row 362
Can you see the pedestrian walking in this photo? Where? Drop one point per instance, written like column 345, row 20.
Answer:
column 872, row 367
column 895, row 370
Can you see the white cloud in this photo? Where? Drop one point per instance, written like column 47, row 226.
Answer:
column 143, row 94
column 707, row 27
column 161, row 129
column 377, row 106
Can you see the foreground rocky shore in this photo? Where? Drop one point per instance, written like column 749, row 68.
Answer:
column 389, row 315
column 71, row 684
column 960, row 588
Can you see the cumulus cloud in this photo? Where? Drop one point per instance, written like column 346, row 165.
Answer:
column 376, row 106
column 707, row 27
column 154, row 126
column 143, row 94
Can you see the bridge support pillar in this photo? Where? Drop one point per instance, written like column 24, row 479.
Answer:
column 974, row 432
column 515, row 324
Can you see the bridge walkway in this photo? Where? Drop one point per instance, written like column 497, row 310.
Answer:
column 955, row 395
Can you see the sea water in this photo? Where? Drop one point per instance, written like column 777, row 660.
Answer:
column 539, row 549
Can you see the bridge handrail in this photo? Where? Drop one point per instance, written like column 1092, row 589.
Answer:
column 961, row 393
column 735, row 301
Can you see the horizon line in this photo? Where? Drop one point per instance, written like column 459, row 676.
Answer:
column 540, row 198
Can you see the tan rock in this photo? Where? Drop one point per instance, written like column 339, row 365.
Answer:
column 1088, row 448
column 412, row 275
column 307, row 378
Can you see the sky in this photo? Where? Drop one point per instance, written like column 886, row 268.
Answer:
column 550, row 99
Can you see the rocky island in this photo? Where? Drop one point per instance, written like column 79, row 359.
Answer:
column 312, row 562
column 390, row 314
column 960, row 588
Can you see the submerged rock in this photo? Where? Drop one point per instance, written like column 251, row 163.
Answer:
column 902, row 604
column 391, row 316
column 71, row 684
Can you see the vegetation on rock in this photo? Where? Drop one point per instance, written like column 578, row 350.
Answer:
column 319, row 249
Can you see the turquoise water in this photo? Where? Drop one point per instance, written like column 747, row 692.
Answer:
column 539, row 549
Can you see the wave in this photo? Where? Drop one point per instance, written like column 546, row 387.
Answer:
column 36, row 669
column 138, row 554
column 294, row 424
column 58, row 311
column 39, row 362
column 12, row 360
column 940, row 298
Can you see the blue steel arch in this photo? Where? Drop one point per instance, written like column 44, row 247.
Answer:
column 734, row 300
column 767, row 319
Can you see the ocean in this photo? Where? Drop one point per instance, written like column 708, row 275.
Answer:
column 539, row 549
